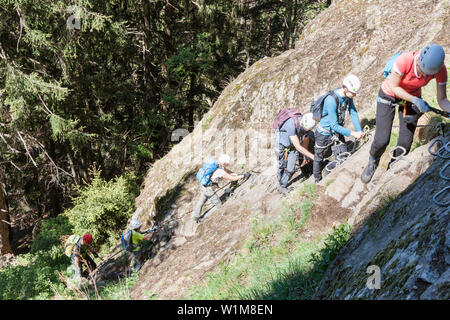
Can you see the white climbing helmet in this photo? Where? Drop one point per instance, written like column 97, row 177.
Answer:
column 224, row 159
column 308, row 121
column 352, row 83
column 135, row 223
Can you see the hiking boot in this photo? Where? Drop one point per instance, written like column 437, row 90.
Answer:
column 368, row 172
column 283, row 190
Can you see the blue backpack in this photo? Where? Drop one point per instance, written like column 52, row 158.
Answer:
column 126, row 242
column 389, row 64
column 205, row 172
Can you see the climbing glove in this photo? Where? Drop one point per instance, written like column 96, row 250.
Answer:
column 422, row 105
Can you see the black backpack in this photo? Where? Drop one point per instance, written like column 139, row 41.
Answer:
column 317, row 105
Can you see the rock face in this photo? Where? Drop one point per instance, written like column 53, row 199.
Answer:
column 349, row 37
column 408, row 241
column 327, row 50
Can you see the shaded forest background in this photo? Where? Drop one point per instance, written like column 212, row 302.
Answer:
column 98, row 86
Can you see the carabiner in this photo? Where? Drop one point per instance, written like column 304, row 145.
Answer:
column 437, row 194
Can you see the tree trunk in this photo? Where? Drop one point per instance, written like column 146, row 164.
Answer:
column 269, row 35
column 5, row 246
column 168, row 23
column 288, row 25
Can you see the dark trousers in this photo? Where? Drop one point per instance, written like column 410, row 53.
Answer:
column 384, row 118
column 322, row 150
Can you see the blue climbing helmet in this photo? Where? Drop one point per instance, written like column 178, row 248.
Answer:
column 431, row 59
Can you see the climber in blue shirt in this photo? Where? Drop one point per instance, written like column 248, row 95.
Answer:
column 332, row 121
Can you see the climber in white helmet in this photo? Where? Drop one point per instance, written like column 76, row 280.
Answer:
column 208, row 176
column 331, row 126
column 137, row 236
column 294, row 139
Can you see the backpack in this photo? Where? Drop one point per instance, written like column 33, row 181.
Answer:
column 390, row 64
column 126, row 241
column 70, row 244
column 205, row 172
column 317, row 105
column 284, row 115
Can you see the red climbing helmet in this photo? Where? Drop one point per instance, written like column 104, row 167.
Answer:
column 87, row 238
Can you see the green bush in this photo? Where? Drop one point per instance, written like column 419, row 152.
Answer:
column 34, row 277
column 51, row 231
column 102, row 208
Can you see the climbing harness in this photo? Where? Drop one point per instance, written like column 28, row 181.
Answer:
column 286, row 152
column 397, row 159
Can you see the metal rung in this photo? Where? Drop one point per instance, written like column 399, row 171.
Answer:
column 446, row 148
column 437, row 194
column 391, row 152
column 433, row 143
column 329, row 170
column 441, row 173
column 343, row 156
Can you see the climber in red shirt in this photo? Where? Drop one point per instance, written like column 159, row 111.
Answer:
column 410, row 72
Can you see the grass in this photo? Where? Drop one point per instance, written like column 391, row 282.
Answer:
column 277, row 262
column 112, row 290
column 117, row 290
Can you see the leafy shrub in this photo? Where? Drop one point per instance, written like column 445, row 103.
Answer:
column 102, row 208
column 51, row 230
column 35, row 277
